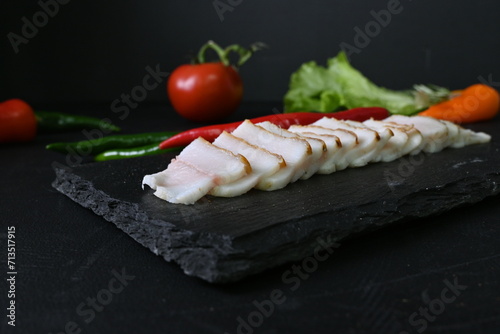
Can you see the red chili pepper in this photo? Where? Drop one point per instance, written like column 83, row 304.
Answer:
column 17, row 121
column 283, row 120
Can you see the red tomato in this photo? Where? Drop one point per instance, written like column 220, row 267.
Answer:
column 205, row 92
column 17, row 121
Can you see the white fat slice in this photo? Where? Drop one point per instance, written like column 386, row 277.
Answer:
column 180, row 183
column 398, row 144
column 318, row 148
column 395, row 139
column 469, row 137
column 415, row 142
column 195, row 171
column 370, row 142
column 382, row 131
column 434, row 132
column 463, row 137
column 263, row 162
column 222, row 164
column 295, row 151
column 333, row 144
column 348, row 140
column 453, row 133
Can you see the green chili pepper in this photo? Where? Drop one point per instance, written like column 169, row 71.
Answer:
column 96, row 146
column 57, row 122
column 133, row 152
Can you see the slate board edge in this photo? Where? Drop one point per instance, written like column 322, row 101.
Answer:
column 214, row 258
column 160, row 237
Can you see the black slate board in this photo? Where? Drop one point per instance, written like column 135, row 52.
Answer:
column 225, row 239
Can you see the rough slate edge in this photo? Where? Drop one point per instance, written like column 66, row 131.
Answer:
column 219, row 258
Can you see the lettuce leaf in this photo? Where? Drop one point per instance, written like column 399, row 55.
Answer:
column 340, row 86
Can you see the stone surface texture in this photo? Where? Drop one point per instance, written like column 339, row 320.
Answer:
column 226, row 239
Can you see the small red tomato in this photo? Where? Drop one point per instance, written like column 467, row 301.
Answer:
column 205, row 92
column 17, row 121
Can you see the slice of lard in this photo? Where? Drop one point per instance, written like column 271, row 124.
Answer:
column 460, row 137
column 333, row 144
column 195, row 171
column 401, row 143
column 180, row 183
column 318, row 148
column 295, row 151
column 222, row 164
column 348, row 142
column 394, row 142
column 263, row 162
column 415, row 142
column 434, row 132
column 370, row 142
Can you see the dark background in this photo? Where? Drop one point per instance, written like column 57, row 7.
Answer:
column 93, row 51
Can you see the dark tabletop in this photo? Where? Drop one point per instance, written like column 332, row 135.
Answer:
column 77, row 273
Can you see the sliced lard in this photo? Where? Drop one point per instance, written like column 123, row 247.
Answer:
column 180, row 183
column 415, row 142
column 195, row 171
column 348, row 142
column 222, row 164
column 435, row 133
column 333, row 144
column 263, row 163
column 295, row 151
column 370, row 142
column 405, row 139
column 318, row 148
column 462, row 137
column 267, row 157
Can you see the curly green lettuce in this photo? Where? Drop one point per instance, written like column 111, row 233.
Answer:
column 340, row 86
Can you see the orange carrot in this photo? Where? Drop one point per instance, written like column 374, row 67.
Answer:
column 476, row 103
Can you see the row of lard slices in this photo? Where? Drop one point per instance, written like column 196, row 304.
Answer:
column 267, row 157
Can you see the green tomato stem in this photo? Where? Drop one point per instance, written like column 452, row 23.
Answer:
column 214, row 46
column 244, row 54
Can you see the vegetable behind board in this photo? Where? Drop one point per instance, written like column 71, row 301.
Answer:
column 340, row 86
column 476, row 103
column 209, row 91
column 283, row 120
column 49, row 121
column 17, row 121
column 20, row 123
column 96, row 146
column 133, row 152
